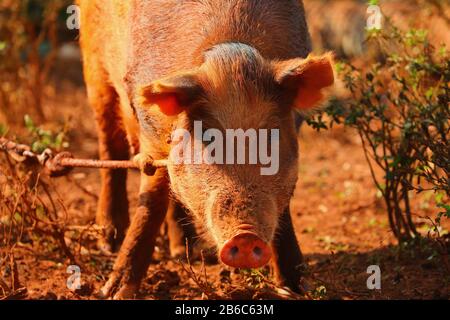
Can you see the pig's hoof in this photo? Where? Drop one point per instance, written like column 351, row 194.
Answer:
column 284, row 292
column 126, row 292
column 108, row 244
column 105, row 246
column 116, row 290
column 293, row 285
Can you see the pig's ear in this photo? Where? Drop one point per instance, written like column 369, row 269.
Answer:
column 306, row 80
column 173, row 94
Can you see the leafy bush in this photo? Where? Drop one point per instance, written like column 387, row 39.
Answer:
column 42, row 139
column 29, row 37
column 400, row 109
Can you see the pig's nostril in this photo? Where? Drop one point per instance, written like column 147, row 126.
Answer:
column 245, row 250
column 234, row 251
column 257, row 251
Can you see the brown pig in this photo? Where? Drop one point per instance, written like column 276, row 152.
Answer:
column 153, row 68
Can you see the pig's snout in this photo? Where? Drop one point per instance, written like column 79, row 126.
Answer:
column 245, row 250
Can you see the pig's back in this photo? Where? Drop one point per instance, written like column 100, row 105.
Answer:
column 139, row 41
column 135, row 42
column 171, row 35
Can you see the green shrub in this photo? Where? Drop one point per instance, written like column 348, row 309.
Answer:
column 400, row 109
column 42, row 139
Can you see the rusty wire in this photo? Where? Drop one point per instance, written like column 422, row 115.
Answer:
column 61, row 164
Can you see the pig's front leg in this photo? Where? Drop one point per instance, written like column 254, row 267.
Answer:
column 137, row 249
column 288, row 259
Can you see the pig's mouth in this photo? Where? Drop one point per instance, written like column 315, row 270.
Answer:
column 245, row 250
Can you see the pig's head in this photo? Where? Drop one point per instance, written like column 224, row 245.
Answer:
column 236, row 88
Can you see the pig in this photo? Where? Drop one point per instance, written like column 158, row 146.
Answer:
column 154, row 67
